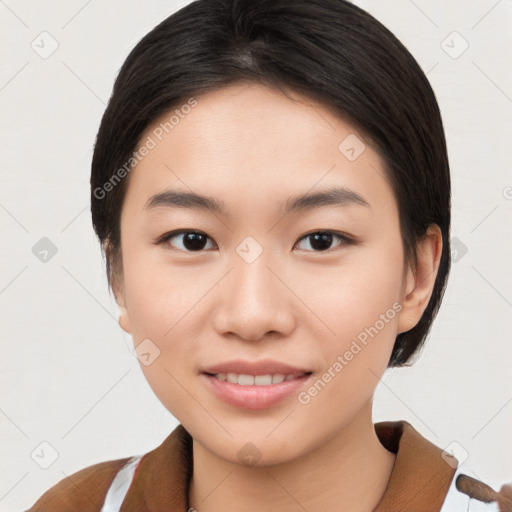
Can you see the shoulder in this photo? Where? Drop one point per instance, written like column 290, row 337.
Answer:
column 104, row 486
column 428, row 473
column 83, row 491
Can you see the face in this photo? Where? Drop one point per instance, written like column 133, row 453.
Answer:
column 318, row 285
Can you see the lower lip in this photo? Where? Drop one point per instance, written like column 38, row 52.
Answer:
column 253, row 397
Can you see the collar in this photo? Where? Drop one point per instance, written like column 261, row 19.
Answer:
column 419, row 481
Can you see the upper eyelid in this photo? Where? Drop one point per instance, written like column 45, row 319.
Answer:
column 336, row 234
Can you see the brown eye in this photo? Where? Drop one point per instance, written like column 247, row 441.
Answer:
column 197, row 241
column 321, row 241
column 188, row 240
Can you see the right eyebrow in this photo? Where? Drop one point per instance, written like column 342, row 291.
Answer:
column 172, row 198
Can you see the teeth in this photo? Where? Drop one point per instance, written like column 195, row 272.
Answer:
column 254, row 380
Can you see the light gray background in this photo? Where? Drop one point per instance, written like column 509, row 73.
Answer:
column 68, row 376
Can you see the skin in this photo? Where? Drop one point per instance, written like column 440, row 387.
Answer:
column 253, row 147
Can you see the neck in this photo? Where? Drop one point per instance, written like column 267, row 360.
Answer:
column 348, row 472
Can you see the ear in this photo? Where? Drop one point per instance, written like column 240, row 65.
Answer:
column 419, row 282
column 117, row 284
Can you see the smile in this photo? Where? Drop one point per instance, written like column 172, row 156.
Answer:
column 254, row 391
column 253, row 380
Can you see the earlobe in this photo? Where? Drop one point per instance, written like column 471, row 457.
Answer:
column 117, row 285
column 124, row 316
column 124, row 321
column 420, row 281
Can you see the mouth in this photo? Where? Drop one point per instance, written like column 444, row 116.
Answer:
column 244, row 379
column 254, row 392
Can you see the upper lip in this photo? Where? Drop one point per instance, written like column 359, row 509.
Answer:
column 263, row 367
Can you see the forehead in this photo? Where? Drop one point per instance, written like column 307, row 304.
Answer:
column 247, row 143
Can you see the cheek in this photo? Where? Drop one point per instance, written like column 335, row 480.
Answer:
column 360, row 305
column 161, row 309
column 345, row 298
column 354, row 295
column 156, row 293
column 161, row 302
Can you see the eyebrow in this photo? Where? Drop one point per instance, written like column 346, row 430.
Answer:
column 335, row 196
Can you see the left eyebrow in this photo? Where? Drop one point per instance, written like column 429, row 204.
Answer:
column 335, row 196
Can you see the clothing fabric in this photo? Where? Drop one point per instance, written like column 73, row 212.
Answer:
column 422, row 480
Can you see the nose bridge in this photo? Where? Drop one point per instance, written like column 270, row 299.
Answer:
column 254, row 284
column 256, row 300
column 253, row 279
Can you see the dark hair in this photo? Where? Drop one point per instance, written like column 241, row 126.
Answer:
column 328, row 50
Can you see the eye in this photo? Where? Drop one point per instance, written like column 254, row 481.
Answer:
column 321, row 241
column 195, row 241
column 190, row 241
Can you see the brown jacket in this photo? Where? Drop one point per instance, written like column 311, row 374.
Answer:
column 419, row 482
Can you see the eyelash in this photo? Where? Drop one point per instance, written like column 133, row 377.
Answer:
column 344, row 239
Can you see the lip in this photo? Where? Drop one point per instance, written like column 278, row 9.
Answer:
column 263, row 367
column 253, row 397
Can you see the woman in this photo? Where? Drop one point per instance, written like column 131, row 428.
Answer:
column 270, row 185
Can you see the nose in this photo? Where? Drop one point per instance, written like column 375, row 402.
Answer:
column 254, row 301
